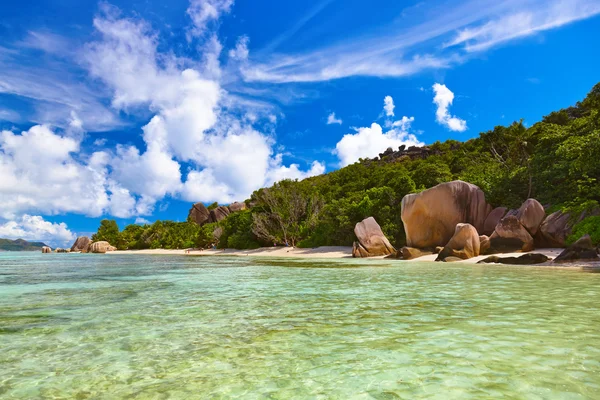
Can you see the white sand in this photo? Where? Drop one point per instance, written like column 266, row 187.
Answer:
column 319, row 252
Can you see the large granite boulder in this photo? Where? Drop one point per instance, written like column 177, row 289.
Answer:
column 510, row 234
column 484, row 244
column 46, row 250
column 199, row 214
column 464, row 244
column 219, row 213
column 582, row 250
column 100, row 247
column 555, row 229
column 237, row 206
column 492, row 220
column 371, row 240
column 430, row 217
column 531, row 215
column 81, row 244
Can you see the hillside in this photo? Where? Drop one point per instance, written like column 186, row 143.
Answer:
column 554, row 161
column 20, row 245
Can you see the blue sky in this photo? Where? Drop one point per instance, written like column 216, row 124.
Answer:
column 133, row 110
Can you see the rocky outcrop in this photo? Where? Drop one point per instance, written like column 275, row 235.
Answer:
column 409, row 253
column 430, row 217
column 81, row 244
column 531, row 215
column 464, row 244
column 100, row 247
column 493, row 219
column 199, row 214
column 554, row 230
column 525, row 259
column 510, row 235
column 237, row 206
column 59, row 250
column 582, row 250
column 484, row 244
column 371, row 240
column 219, row 213
column 46, row 249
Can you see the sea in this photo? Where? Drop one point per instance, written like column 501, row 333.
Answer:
column 90, row 326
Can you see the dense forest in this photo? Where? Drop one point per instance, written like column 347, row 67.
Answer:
column 553, row 161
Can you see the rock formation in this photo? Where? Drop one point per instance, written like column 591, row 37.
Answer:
column 430, row 217
column 531, row 215
column 484, row 244
column 518, row 237
column 554, row 230
column 46, row 249
column 582, row 250
column 100, row 247
column 199, row 214
column 464, row 244
column 81, row 244
column 371, row 240
column 219, row 214
column 59, row 250
column 409, row 253
column 525, row 259
column 492, row 220
column 237, row 206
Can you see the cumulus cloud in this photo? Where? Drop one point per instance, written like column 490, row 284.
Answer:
column 368, row 142
column 35, row 228
column 443, row 100
column 388, row 106
column 240, row 52
column 142, row 221
column 332, row 119
column 41, row 172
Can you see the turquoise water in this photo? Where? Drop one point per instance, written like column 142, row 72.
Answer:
column 156, row 327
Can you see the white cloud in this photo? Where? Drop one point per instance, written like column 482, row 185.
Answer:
column 388, row 106
column 205, row 12
column 531, row 19
column 44, row 172
column 368, row 142
column 142, row 221
column 35, row 228
column 426, row 41
column 280, row 172
column 240, row 52
column 443, row 99
column 331, row 119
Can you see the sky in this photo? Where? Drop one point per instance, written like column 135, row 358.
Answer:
column 134, row 110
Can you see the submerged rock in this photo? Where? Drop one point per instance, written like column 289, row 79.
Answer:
column 464, row 244
column 371, row 240
column 582, row 250
column 430, row 217
column 525, row 259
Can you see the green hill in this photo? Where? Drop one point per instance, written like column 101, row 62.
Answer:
column 20, row 245
column 555, row 161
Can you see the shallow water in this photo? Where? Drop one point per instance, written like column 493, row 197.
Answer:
column 157, row 327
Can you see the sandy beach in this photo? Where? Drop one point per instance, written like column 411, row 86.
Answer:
column 319, row 252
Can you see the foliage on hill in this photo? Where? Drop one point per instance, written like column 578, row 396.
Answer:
column 555, row 161
column 20, row 245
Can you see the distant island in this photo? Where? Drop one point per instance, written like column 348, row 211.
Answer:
column 20, row 245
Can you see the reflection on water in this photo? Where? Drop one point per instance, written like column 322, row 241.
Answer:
column 94, row 326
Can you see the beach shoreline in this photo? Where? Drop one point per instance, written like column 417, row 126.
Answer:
column 329, row 252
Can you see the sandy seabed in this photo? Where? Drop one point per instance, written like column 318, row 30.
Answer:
column 319, row 252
